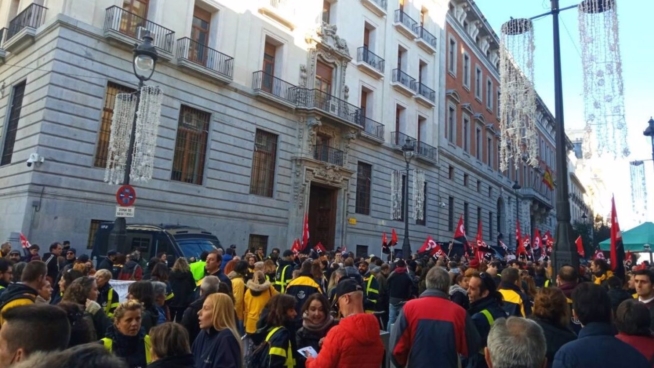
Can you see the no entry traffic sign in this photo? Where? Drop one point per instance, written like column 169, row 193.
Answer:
column 126, row 196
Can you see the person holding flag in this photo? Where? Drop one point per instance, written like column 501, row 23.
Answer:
column 460, row 236
column 617, row 247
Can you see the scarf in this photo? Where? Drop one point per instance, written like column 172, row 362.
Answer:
column 316, row 328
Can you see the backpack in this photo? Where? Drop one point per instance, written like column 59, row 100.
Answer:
column 260, row 356
column 126, row 276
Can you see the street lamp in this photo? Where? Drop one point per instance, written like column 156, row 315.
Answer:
column 144, row 62
column 584, row 218
column 649, row 132
column 409, row 151
column 516, row 187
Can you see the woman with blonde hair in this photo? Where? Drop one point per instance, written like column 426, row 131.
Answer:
column 183, row 286
column 170, row 347
column 126, row 338
column 107, row 297
column 218, row 344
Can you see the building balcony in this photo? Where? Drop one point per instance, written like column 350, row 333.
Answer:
column 403, row 82
column 328, row 154
column 426, row 40
column 540, row 195
column 369, row 62
column 127, row 28
column 424, row 94
column 204, row 60
column 21, row 31
column 376, row 6
column 329, row 106
column 405, row 24
column 372, row 130
column 279, row 10
column 274, row 89
column 3, row 53
column 423, row 151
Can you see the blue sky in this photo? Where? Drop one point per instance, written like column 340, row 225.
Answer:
column 638, row 63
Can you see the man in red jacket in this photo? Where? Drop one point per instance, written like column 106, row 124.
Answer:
column 355, row 342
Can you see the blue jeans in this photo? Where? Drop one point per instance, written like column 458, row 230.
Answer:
column 393, row 312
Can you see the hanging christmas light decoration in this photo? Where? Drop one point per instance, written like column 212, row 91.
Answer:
column 638, row 189
column 121, row 129
column 147, row 128
column 396, row 195
column 603, row 84
column 418, row 195
column 519, row 137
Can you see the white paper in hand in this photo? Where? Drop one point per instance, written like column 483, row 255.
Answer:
column 308, row 352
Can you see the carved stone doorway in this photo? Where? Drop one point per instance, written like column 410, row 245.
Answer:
column 322, row 215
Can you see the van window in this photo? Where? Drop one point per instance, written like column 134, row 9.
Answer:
column 194, row 246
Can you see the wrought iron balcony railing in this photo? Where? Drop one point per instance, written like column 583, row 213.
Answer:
column 426, row 36
column 425, row 91
column 317, row 99
column 207, row 57
column 370, row 58
column 32, row 17
column 422, row 149
column 402, row 18
column 404, row 79
column 398, row 139
column 129, row 24
column 373, row 128
column 264, row 82
column 380, row 3
column 328, row 154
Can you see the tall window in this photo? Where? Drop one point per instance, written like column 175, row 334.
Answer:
column 499, row 96
column 423, row 16
column 424, row 207
column 399, row 121
column 191, row 145
column 262, row 179
column 465, row 180
column 489, row 95
column 137, row 13
column 465, row 216
column 200, row 35
column 489, row 151
column 364, row 102
column 478, row 143
column 490, row 225
column 479, row 215
column 451, row 57
column 258, row 241
column 478, row 83
column 450, row 213
column 102, row 150
column 478, row 186
column 269, row 52
column 466, row 70
column 93, row 228
column 401, row 59
column 450, row 172
column 12, row 124
column 324, row 75
column 364, row 181
column 451, row 123
column 326, row 11
column 466, row 133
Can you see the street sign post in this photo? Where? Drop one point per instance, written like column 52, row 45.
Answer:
column 126, row 196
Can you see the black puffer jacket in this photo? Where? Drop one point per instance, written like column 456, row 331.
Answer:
column 184, row 361
column 130, row 348
column 190, row 319
column 183, row 285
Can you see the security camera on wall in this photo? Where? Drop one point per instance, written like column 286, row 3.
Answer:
column 35, row 159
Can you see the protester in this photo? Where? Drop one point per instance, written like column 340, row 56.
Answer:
column 552, row 314
column 515, row 342
column 400, row 290
column 237, row 278
column 6, row 273
column 82, row 330
column 355, row 341
column 14, row 256
column 600, row 270
column 277, row 325
column 170, row 347
column 370, row 287
column 212, row 268
column 45, row 294
column 183, row 286
column 459, row 290
column 126, row 338
column 644, row 282
column 107, row 297
column 258, row 293
column 303, row 286
column 218, row 345
column 284, row 271
column 159, row 292
column 83, row 291
column 25, row 292
column 616, row 291
column 51, row 261
column 316, row 323
column 485, row 309
column 143, row 292
column 209, row 285
column 438, row 322
column 633, row 321
column 516, row 303
column 82, row 356
column 108, row 261
column 131, row 270
column 592, row 306
column 66, row 279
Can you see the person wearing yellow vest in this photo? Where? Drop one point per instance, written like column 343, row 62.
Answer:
column 485, row 309
column 126, row 338
column 281, row 314
column 370, row 288
column 6, row 268
column 25, row 292
column 197, row 268
column 601, row 271
column 107, row 297
column 516, row 303
column 303, row 286
column 284, row 271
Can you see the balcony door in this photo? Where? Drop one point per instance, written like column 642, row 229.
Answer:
column 198, row 51
column 136, row 16
column 323, row 85
column 268, row 67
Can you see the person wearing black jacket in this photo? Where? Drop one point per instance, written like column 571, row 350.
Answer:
column 210, row 285
column 400, row 289
column 458, row 291
column 52, row 262
column 218, row 343
column 284, row 271
column 108, row 261
column 182, row 284
column 170, row 347
column 143, row 292
column 126, row 338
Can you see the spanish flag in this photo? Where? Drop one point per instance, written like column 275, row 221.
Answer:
column 548, row 179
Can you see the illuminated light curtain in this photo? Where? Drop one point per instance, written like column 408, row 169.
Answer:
column 121, row 126
column 147, row 127
column 518, row 135
column 638, row 190
column 604, row 109
column 396, row 195
column 418, row 195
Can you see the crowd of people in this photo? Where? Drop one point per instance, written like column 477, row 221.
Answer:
column 318, row 310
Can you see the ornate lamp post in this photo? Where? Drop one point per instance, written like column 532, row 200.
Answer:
column 409, row 151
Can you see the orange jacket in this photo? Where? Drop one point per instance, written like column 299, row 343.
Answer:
column 354, row 343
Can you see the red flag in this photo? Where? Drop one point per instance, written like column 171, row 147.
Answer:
column 479, row 242
column 521, row 249
column 296, row 246
column 428, row 245
column 320, row 248
column 549, row 242
column 384, row 240
column 305, row 232
column 537, row 239
column 393, row 238
column 627, row 256
column 437, row 251
column 518, row 238
column 24, row 242
column 460, row 235
column 617, row 248
column 580, row 247
column 598, row 255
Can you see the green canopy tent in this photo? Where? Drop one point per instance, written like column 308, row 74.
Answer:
column 635, row 239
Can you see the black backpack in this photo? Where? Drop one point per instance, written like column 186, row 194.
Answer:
column 260, row 356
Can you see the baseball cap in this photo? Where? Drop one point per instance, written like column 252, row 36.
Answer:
column 347, row 286
column 83, row 258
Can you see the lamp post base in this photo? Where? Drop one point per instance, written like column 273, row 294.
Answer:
column 118, row 236
column 406, row 249
column 564, row 253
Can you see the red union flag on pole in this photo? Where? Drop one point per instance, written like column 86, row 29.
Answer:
column 617, row 247
column 580, row 247
column 24, row 242
column 393, row 238
column 428, row 245
column 295, row 248
column 460, row 235
column 320, row 248
column 305, row 233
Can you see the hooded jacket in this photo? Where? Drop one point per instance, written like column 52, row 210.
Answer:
column 400, row 285
column 131, row 271
column 644, row 344
column 183, row 361
column 132, row 349
column 255, row 299
column 301, row 288
column 14, row 296
column 217, row 349
column 353, row 343
column 516, row 303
